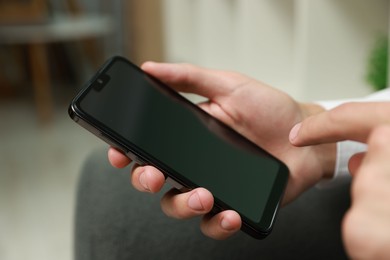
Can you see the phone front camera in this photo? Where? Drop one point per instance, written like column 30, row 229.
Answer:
column 100, row 82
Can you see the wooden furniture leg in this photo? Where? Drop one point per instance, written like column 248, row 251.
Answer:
column 39, row 68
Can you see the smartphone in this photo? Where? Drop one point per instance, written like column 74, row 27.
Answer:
column 154, row 125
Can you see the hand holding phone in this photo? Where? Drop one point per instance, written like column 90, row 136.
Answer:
column 154, row 125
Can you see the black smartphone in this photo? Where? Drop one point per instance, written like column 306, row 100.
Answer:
column 153, row 124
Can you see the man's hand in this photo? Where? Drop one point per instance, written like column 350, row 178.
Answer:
column 366, row 226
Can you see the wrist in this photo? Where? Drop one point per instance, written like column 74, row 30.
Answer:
column 326, row 154
column 310, row 109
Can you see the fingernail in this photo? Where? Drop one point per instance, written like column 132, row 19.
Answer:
column 143, row 181
column 194, row 202
column 225, row 224
column 294, row 132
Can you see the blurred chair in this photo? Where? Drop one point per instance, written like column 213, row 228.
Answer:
column 30, row 23
column 23, row 11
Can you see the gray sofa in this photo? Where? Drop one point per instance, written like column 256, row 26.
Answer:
column 113, row 221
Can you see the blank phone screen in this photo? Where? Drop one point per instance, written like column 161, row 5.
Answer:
column 182, row 140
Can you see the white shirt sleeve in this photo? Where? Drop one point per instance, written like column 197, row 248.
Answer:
column 346, row 149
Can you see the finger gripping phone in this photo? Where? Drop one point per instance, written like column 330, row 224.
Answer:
column 154, row 125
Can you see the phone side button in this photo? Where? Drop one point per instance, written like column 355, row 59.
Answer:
column 174, row 183
column 135, row 158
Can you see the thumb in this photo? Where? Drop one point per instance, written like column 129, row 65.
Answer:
column 191, row 79
column 354, row 163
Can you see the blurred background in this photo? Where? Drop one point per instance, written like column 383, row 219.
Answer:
column 312, row 49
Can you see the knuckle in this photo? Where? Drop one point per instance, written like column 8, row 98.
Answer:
column 337, row 114
column 172, row 205
column 380, row 136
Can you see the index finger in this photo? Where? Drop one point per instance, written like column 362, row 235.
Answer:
column 350, row 121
